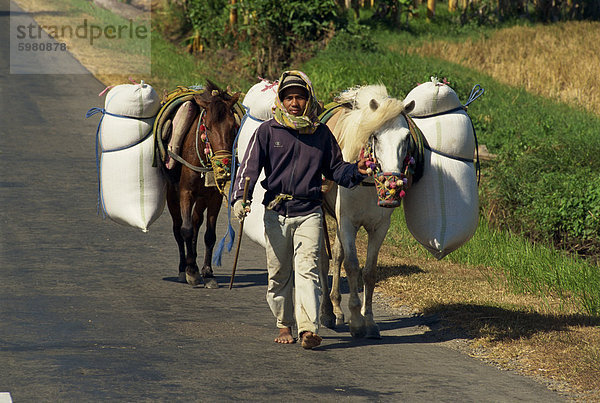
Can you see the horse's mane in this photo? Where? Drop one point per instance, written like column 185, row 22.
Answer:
column 371, row 109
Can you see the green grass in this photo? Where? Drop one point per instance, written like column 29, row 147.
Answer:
column 528, row 268
column 130, row 47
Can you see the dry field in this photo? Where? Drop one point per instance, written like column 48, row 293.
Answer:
column 558, row 61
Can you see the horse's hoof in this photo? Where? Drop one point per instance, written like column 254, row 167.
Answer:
column 328, row 321
column 193, row 280
column 358, row 332
column 182, row 278
column 211, row 282
column 340, row 320
column 373, row 333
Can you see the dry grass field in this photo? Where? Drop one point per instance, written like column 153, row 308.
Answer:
column 558, row 61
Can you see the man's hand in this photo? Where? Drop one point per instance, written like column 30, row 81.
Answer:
column 240, row 209
column 362, row 165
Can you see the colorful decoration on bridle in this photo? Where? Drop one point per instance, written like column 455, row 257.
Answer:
column 391, row 186
column 219, row 161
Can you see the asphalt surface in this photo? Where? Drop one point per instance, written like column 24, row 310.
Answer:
column 91, row 310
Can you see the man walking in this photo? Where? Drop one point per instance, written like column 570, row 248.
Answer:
column 295, row 150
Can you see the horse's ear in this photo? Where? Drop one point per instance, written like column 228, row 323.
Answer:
column 409, row 108
column 234, row 98
column 374, row 104
column 201, row 101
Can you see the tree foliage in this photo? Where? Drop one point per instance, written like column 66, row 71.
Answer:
column 274, row 32
column 279, row 31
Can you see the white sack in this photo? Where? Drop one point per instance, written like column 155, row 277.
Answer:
column 260, row 100
column 134, row 100
column 442, row 209
column 432, row 97
column 451, row 133
column 254, row 226
column 117, row 132
column 132, row 191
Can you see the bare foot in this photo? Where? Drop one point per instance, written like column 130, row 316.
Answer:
column 285, row 336
column 310, row 340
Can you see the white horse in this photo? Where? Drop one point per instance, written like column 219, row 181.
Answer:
column 368, row 119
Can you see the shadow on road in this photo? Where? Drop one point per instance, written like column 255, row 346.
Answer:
column 241, row 280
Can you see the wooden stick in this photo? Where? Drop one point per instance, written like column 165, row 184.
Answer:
column 239, row 242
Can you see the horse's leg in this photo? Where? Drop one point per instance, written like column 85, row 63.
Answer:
column 175, row 211
column 210, row 237
column 347, row 234
column 327, row 316
column 375, row 240
column 186, row 201
column 336, row 296
column 331, row 313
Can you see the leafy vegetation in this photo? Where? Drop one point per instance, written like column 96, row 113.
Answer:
column 270, row 34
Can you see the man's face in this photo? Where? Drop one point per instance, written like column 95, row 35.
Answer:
column 294, row 100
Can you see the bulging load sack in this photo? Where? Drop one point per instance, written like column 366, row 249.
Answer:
column 442, row 209
column 260, row 99
column 431, row 98
column 259, row 103
column 133, row 100
column 132, row 190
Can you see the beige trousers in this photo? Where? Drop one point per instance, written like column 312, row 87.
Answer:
column 293, row 246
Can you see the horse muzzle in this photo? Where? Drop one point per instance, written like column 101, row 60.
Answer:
column 221, row 166
column 391, row 188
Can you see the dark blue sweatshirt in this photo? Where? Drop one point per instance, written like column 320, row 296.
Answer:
column 293, row 165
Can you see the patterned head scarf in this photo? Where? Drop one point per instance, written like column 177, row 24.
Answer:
column 309, row 121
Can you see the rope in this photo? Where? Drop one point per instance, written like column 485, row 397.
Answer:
column 197, row 136
column 230, row 231
column 476, row 92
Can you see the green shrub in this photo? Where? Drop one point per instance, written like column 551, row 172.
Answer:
column 209, row 19
column 281, row 31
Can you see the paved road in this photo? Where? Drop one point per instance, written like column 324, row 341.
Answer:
column 90, row 310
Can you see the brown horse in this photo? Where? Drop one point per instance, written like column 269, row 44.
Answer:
column 197, row 182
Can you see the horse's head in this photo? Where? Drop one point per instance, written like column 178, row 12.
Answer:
column 218, row 128
column 376, row 127
column 391, row 160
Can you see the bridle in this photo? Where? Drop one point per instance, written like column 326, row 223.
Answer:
column 219, row 162
column 391, row 186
